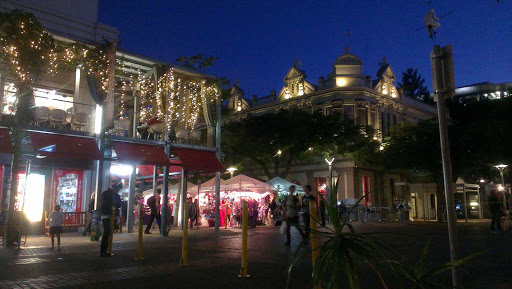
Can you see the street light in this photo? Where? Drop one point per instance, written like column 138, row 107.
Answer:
column 501, row 167
column 329, row 162
column 231, row 170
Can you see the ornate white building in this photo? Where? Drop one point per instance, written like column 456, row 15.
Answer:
column 348, row 92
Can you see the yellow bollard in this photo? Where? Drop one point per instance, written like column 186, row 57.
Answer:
column 314, row 235
column 111, row 238
column 226, row 216
column 139, row 257
column 184, row 238
column 245, row 222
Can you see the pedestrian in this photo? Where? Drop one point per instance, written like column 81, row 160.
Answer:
column 342, row 209
column 497, row 210
column 291, row 214
column 154, row 205
column 90, row 209
column 55, row 220
column 255, row 206
column 308, row 190
column 117, row 204
column 196, row 213
column 191, row 212
column 273, row 210
column 107, row 201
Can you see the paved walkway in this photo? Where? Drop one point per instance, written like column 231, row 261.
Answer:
column 215, row 259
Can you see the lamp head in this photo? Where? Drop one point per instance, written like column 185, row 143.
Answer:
column 501, row 166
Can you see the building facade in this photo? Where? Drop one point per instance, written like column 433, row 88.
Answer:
column 346, row 91
column 147, row 129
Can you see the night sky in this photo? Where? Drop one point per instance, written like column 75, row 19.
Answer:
column 258, row 41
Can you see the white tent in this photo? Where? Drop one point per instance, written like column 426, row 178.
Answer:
column 245, row 183
column 173, row 189
column 282, row 185
column 208, row 186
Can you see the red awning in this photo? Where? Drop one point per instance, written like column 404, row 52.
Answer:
column 5, row 141
column 141, row 154
column 199, row 161
column 64, row 146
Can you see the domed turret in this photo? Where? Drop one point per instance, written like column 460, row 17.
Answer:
column 347, row 71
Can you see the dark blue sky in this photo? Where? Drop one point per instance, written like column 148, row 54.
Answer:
column 258, row 41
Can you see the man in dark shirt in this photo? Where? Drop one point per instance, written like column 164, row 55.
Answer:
column 305, row 208
column 497, row 210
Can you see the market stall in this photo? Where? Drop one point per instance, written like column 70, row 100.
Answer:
column 282, row 186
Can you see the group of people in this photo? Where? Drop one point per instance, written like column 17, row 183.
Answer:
column 291, row 206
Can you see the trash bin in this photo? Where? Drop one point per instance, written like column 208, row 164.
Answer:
column 95, row 225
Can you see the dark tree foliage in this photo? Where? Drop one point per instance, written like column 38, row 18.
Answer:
column 413, row 86
column 253, row 144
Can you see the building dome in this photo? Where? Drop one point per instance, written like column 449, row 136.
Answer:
column 348, row 59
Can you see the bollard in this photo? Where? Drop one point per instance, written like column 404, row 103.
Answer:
column 184, row 238
column 245, row 222
column 111, row 238
column 139, row 257
column 314, row 235
column 226, row 216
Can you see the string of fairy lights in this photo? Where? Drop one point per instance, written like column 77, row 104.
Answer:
column 28, row 51
column 173, row 100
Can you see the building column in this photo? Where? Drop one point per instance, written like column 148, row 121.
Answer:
column 2, row 85
column 130, row 218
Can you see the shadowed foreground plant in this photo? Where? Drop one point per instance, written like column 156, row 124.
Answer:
column 419, row 277
column 342, row 250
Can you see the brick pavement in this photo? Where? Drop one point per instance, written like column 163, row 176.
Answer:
column 215, row 260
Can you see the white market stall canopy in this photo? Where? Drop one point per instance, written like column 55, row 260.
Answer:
column 282, row 185
column 173, row 189
column 245, row 183
column 208, row 186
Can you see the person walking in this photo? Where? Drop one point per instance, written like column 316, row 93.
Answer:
column 255, row 206
column 191, row 212
column 308, row 190
column 90, row 209
column 273, row 210
column 196, row 213
column 497, row 210
column 107, row 201
column 291, row 214
column 55, row 220
column 154, row 205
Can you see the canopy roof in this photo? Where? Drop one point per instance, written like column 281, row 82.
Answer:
column 282, row 185
column 173, row 189
column 245, row 183
column 208, row 186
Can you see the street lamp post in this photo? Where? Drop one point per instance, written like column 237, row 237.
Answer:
column 328, row 193
column 501, row 167
column 232, row 170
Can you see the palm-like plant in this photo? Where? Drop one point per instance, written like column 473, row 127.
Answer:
column 342, row 251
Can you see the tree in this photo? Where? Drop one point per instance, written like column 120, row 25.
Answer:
column 416, row 147
column 413, row 86
column 270, row 144
column 197, row 62
column 23, row 58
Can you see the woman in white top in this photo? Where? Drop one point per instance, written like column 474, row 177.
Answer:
column 55, row 220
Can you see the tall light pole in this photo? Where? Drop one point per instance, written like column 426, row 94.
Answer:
column 232, row 170
column 328, row 193
column 444, row 87
column 501, row 167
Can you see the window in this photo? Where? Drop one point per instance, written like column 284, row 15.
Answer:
column 337, row 110
column 392, row 187
column 328, row 110
column 348, row 112
column 394, row 119
column 388, row 125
